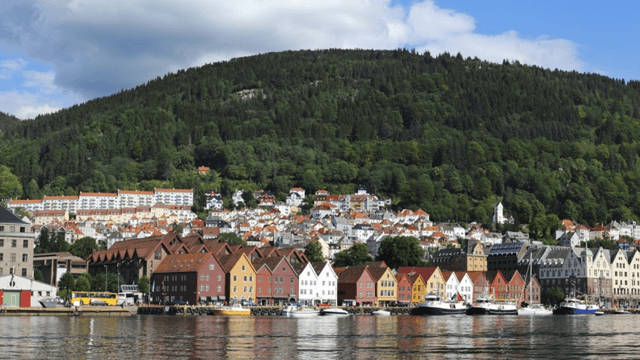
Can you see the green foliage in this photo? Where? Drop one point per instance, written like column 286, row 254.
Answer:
column 83, row 284
column 97, row 282
column 10, row 186
column 67, row 282
column 143, row 284
column 556, row 295
column 358, row 254
column 606, row 244
column 446, row 134
column 84, row 247
column 37, row 275
column 50, row 242
column 313, row 251
column 401, row 251
column 232, row 239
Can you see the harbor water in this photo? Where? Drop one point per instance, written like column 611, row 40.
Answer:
column 353, row 337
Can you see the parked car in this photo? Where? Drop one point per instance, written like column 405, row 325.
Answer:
column 248, row 303
column 179, row 302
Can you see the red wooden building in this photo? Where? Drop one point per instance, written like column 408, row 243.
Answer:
column 355, row 286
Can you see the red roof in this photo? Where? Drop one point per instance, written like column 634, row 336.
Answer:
column 425, row 272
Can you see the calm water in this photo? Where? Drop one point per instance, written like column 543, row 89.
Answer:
column 358, row 337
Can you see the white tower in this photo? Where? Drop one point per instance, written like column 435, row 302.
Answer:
column 498, row 216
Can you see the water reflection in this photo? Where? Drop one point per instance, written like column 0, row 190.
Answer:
column 361, row 337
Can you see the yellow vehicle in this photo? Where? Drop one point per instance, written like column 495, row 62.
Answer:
column 94, row 298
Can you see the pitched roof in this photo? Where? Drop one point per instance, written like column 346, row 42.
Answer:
column 182, row 263
column 352, row 274
column 8, row 217
column 378, row 272
column 318, row 266
column 425, row 272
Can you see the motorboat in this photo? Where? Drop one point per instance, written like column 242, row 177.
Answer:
column 574, row 306
column 599, row 313
column 535, row 309
column 298, row 311
column 233, row 310
column 381, row 312
column 621, row 312
column 333, row 311
column 433, row 305
column 485, row 306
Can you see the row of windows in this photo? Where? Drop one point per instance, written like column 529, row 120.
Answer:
column 206, row 288
column 24, row 271
column 310, row 292
column 369, row 285
column 13, row 229
column 244, row 278
column 387, row 292
column 14, row 243
column 12, row 257
column 203, row 277
column 388, row 283
column 235, row 289
column 369, row 294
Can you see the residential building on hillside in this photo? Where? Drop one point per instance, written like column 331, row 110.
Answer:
column 54, row 265
column 16, row 245
column 174, row 196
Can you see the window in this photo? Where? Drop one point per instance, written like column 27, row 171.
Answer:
column 14, row 243
column 250, row 278
column 235, row 289
column 201, row 287
column 244, row 289
column 291, row 280
column 24, row 272
column 211, row 267
column 158, row 255
column 360, row 286
column 259, row 278
column 235, row 277
column 219, row 277
column 243, row 267
column 206, row 288
column 207, row 278
column 24, row 257
column 269, row 290
column 13, row 257
column 2, row 242
column 259, row 289
column 281, row 279
column 1, row 228
column 219, row 288
column 1, row 256
column 244, row 278
column 25, row 243
column 201, row 277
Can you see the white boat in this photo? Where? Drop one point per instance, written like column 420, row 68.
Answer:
column 621, row 312
column 433, row 305
column 381, row 312
column 535, row 310
column 531, row 308
column 485, row 306
column 599, row 313
column 335, row 312
column 298, row 312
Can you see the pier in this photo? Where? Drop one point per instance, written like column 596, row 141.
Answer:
column 106, row 311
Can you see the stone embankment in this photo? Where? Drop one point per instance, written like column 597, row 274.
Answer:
column 255, row 310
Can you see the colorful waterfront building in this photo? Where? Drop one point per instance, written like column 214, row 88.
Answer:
column 355, row 286
column 432, row 276
column 194, row 278
column 418, row 288
column 386, row 285
column 481, row 286
column 404, row 288
column 498, row 285
column 241, row 277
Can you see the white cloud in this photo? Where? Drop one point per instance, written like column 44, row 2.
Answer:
column 13, row 64
column 27, row 105
column 98, row 47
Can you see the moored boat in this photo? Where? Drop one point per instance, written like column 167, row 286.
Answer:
column 433, row 305
column 573, row 306
column 535, row 310
column 233, row 310
column 298, row 311
column 334, row 312
column 381, row 312
column 485, row 306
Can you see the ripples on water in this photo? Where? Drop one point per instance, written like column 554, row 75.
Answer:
column 354, row 337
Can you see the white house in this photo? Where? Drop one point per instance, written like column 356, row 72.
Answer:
column 465, row 286
column 452, row 284
column 174, row 196
column 327, row 283
column 307, row 283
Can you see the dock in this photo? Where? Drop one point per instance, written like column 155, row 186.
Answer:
column 105, row 311
column 255, row 310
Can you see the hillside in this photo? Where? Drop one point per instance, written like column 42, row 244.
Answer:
column 7, row 121
column 447, row 134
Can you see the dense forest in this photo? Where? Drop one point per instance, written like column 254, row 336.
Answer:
column 446, row 134
column 7, row 121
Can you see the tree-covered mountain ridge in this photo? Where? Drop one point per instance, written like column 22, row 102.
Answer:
column 446, row 134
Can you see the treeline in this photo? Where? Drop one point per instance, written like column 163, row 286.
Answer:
column 446, row 134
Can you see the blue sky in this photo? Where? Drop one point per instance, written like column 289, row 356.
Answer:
column 57, row 53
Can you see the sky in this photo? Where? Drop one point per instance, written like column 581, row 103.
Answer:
column 57, row 53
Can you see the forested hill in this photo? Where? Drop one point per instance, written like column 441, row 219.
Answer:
column 447, row 134
column 7, row 121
